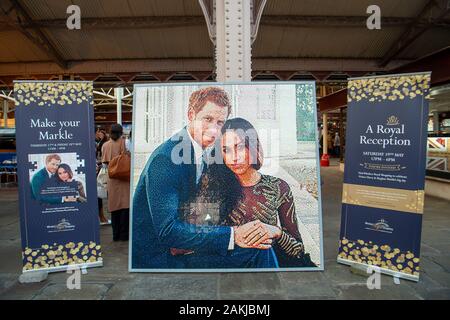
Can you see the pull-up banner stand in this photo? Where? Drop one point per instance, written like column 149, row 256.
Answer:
column 57, row 180
column 383, row 191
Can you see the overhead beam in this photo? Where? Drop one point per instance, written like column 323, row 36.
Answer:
column 161, row 22
column 190, row 65
column 33, row 33
column 257, row 7
column 344, row 21
column 414, row 30
column 123, row 22
column 333, row 101
column 438, row 63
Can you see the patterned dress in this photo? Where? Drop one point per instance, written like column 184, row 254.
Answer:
column 271, row 202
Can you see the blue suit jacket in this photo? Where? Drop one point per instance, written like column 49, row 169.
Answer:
column 38, row 182
column 163, row 187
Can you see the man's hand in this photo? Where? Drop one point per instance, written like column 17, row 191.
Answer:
column 253, row 234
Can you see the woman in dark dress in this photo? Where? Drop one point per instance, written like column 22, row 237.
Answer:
column 240, row 194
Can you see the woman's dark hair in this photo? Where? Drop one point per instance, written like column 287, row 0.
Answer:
column 102, row 141
column 105, row 136
column 220, row 183
column 116, row 131
column 66, row 168
column 246, row 132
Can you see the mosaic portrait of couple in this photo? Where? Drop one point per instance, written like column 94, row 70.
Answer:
column 225, row 177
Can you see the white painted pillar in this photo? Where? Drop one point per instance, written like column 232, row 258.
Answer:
column 232, row 27
column 233, row 40
column 118, row 92
column 325, row 133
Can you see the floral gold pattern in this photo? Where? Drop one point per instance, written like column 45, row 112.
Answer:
column 385, row 198
column 57, row 255
column 389, row 88
column 47, row 94
column 382, row 256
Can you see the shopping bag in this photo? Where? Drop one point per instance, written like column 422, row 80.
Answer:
column 102, row 183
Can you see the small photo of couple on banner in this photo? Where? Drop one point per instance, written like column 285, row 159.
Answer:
column 53, row 181
column 225, row 177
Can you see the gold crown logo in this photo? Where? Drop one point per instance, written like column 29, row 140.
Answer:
column 392, row 121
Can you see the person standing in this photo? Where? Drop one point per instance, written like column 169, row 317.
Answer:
column 100, row 139
column 337, row 144
column 329, row 138
column 320, row 134
column 118, row 190
column 128, row 142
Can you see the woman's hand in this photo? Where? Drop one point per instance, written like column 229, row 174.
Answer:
column 261, row 234
column 256, row 234
column 254, row 226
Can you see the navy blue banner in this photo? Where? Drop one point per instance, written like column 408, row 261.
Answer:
column 384, row 176
column 395, row 151
column 57, row 176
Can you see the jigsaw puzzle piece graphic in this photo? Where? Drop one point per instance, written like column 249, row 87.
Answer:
column 80, row 165
column 32, row 166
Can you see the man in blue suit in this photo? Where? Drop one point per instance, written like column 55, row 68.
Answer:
column 167, row 181
column 46, row 178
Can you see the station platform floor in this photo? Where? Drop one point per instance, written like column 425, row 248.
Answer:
column 113, row 281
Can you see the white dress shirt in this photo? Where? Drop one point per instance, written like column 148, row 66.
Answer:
column 50, row 175
column 198, row 156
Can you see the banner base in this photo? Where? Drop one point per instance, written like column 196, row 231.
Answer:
column 392, row 273
column 80, row 266
column 33, row 277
